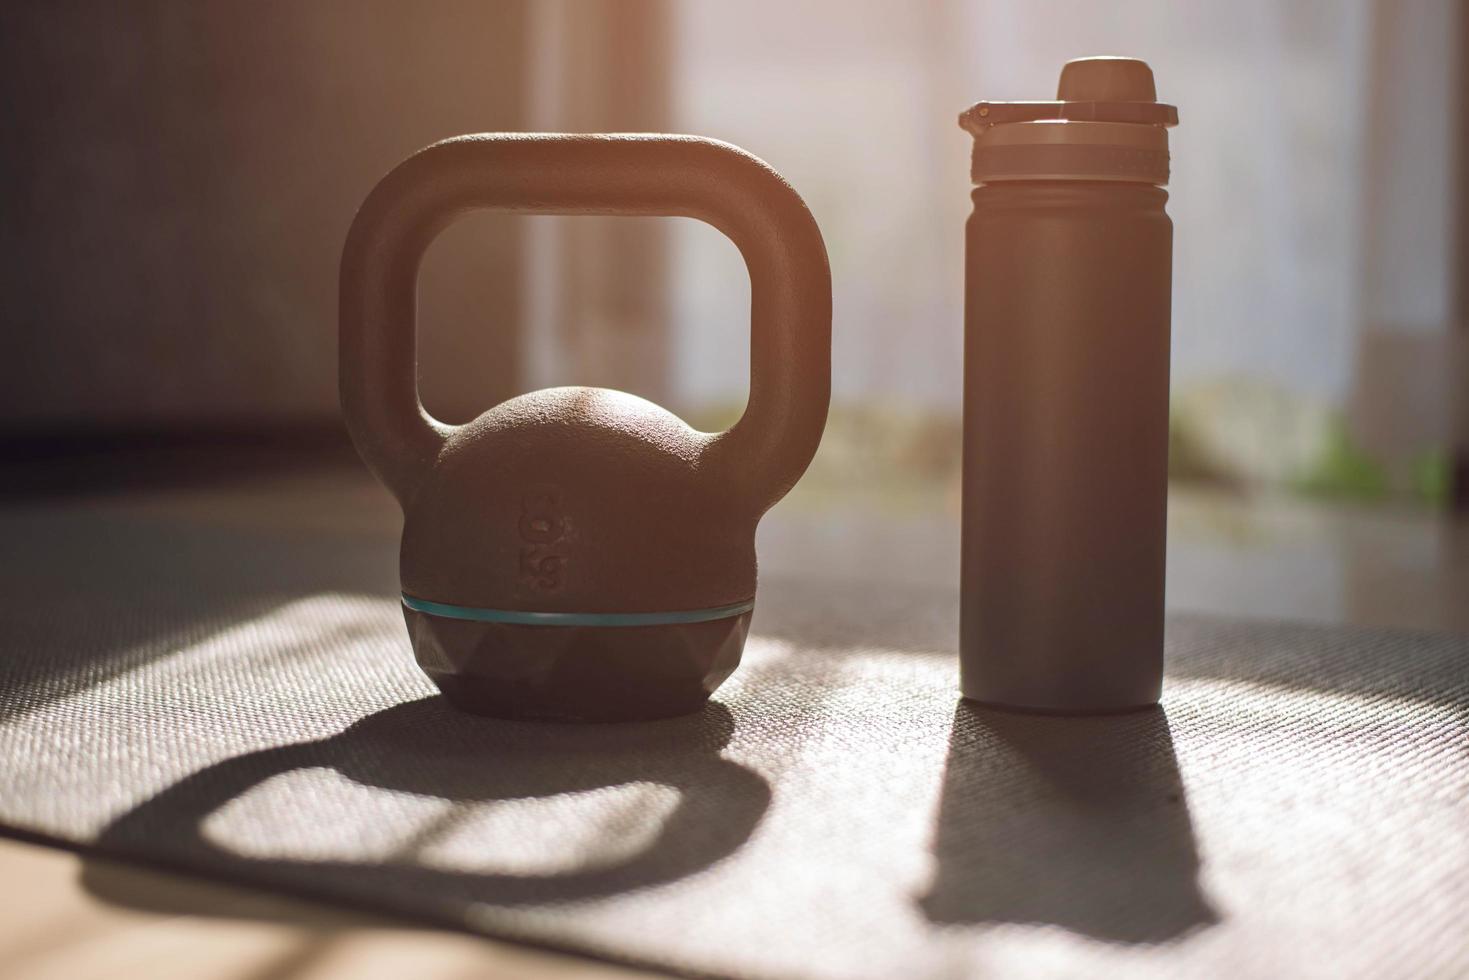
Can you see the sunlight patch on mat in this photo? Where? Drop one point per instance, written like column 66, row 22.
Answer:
column 318, row 814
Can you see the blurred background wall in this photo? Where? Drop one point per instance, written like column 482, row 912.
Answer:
column 178, row 178
column 1314, row 193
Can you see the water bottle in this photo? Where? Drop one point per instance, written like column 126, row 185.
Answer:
column 1068, row 275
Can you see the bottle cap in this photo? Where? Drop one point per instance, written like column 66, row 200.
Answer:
column 1105, row 124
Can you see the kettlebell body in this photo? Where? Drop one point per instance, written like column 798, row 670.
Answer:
column 581, row 553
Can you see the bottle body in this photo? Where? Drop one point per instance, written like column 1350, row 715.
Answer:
column 1067, row 309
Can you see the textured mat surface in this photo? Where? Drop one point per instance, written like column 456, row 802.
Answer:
column 243, row 704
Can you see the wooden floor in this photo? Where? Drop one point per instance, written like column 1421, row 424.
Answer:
column 1272, row 558
column 51, row 927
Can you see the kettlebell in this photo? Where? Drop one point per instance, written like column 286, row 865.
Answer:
column 581, row 553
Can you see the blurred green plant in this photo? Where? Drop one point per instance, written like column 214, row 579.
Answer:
column 900, row 459
column 874, row 455
column 1188, row 462
column 1344, row 471
column 1432, row 477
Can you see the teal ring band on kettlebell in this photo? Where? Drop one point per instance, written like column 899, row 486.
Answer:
column 518, row 618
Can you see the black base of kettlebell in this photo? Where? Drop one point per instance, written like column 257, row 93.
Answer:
column 577, row 673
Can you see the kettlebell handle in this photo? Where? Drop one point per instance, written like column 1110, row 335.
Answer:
column 764, row 453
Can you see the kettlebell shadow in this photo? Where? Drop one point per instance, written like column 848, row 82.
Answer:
column 427, row 750
column 1077, row 822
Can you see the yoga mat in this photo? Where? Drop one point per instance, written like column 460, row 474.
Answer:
column 240, row 702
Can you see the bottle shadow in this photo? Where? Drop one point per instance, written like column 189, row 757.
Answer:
column 427, row 749
column 1080, row 823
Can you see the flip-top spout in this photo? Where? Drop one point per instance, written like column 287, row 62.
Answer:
column 1106, row 78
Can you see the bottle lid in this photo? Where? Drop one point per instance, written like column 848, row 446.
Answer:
column 1105, row 124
